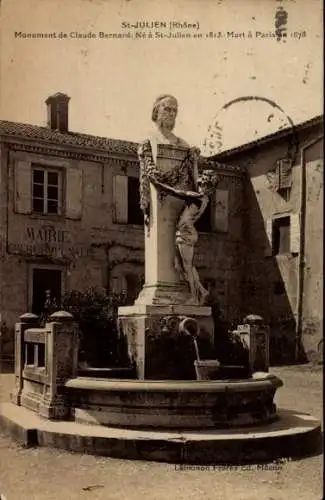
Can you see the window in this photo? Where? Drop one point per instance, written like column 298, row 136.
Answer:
column 135, row 215
column 46, row 194
column 133, row 282
column 281, row 235
column 126, row 195
column 38, row 189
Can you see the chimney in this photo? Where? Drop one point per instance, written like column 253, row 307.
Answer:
column 57, row 112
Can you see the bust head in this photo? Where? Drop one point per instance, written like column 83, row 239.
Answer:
column 164, row 112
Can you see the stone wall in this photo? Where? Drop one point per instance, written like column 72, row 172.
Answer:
column 312, row 325
column 271, row 281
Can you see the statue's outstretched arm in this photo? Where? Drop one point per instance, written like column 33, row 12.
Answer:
column 184, row 195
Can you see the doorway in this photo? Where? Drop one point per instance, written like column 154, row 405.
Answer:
column 45, row 282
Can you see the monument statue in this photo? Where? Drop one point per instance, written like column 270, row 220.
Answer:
column 180, row 180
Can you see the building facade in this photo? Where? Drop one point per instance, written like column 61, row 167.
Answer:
column 284, row 236
column 70, row 220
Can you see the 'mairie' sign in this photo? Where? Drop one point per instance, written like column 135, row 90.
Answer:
column 47, row 241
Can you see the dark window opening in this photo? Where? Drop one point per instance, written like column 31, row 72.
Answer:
column 135, row 214
column 133, row 282
column 204, row 223
column 281, row 236
column 45, row 282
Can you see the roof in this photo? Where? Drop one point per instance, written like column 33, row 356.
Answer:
column 317, row 120
column 118, row 146
column 87, row 141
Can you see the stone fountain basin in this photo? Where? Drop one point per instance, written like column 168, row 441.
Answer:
column 173, row 404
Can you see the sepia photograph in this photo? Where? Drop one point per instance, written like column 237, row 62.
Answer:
column 161, row 249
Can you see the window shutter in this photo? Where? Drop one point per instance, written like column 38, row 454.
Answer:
column 220, row 212
column 285, row 177
column 294, row 233
column 23, row 187
column 269, row 235
column 120, row 199
column 74, row 189
column 276, row 178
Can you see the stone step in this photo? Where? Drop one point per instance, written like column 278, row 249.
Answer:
column 293, row 435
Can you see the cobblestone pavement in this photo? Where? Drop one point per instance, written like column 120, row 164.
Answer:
column 45, row 474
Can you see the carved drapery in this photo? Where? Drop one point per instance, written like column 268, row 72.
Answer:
column 180, row 176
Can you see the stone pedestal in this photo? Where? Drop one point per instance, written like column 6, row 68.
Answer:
column 61, row 364
column 155, row 346
column 255, row 335
column 162, row 282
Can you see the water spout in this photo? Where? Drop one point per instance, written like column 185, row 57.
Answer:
column 189, row 327
column 206, row 369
